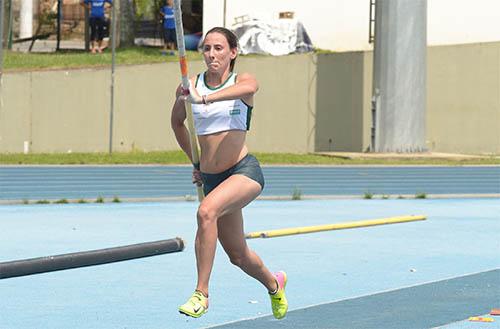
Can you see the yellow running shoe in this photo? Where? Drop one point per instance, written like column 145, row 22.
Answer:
column 278, row 300
column 196, row 306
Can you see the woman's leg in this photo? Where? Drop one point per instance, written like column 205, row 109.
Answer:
column 100, row 33
column 93, row 34
column 229, row 197
column 219, row 216
column 232, row 238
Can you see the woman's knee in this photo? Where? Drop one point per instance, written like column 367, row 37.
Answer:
column 206, row 214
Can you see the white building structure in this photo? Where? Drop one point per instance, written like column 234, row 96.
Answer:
column 343, row 25
column 26, row 19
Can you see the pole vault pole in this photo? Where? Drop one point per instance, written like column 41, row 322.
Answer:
column 179, row 31
column 112, row 86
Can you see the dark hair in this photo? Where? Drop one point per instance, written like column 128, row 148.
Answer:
column 231, row 38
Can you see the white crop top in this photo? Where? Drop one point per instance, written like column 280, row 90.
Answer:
column 219, row 116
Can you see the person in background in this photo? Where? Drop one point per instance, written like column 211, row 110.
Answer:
column 222, row 103
column 97, row 22
column 169, row 37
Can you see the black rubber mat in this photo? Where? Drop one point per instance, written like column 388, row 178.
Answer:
column 424, row 306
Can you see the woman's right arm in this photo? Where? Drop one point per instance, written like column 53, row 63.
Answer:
column 182, row 134
column 177, row 119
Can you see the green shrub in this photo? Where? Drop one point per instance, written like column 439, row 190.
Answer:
column 296, row 193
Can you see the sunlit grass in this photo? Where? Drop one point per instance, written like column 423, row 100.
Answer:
column 178, row 157
column 15, row 61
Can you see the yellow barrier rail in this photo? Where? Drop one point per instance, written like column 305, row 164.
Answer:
column 331, row 227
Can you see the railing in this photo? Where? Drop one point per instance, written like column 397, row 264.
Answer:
column 371, row 25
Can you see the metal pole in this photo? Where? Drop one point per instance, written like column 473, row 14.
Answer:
column 1, row 51
column 9, row 33
column 59, row 14
column 399, row 76
column 87, row 27
column 112, row 105
column 22, row 267
column 224, row 13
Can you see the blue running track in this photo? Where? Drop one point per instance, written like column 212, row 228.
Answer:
column 150, row 182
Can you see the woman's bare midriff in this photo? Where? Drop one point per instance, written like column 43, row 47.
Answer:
column 221, row 151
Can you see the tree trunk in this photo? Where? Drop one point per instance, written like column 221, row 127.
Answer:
column 126, row 24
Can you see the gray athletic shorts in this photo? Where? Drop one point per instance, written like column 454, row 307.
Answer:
column 248, row 166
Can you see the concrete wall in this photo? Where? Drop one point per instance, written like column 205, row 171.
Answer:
column 285, row 106
column 63, row 111
column 15, row 112
column 463, row 98
column 144, row 96
column 341, row 94
column 306, row 103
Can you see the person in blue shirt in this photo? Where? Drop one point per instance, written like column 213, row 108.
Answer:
column 97, row 22
column 169, row 37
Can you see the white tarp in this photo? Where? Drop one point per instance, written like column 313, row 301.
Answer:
column 274, row 37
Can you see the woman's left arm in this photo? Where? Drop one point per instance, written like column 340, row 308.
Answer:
column 245, row 87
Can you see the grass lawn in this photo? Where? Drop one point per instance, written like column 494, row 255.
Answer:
column 177, row 157
column 64, row 59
